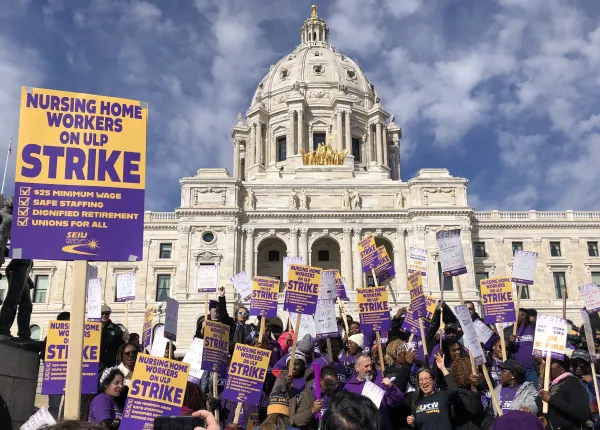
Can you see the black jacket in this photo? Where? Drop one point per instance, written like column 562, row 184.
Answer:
column 401, row 377
column 112, row 339
column 568, row 407
column 238, row 333
column 467, row 410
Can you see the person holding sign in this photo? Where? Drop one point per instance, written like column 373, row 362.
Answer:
column 392, row 396
column 241, row 331
column 104, row 409
column 567, row 399
column 296, row 382
column 520, row 346
column 514, row 393
column 309, row 404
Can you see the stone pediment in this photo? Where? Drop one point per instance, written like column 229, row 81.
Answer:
column 208, row 256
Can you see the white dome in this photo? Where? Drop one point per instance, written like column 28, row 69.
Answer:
column 317, row 71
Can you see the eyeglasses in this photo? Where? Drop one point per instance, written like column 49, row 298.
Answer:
column 130, row 353
column 117, row 383
column 423, row 381
column 105, row 314
column 244, row 314
column 470, row 309
column 330, row 385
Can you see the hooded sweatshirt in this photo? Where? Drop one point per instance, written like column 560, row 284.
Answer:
column 393, row 396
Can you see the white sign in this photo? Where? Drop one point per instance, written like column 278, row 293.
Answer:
column 242, row 284
column 524, row 267
column 207, row 278
column 325, row 321
column 159, row 344
column 171, row 319
column 307, row 325
column 92, row 272
column 373, row 392
column 483, row 331
column 417, row 261
column 41, row 418
column 125, row 286
column 94, row 299
column 550, row 336
column 470, row 335
column 451, row 252
column 193, row 356
column 590, row 296
column 287, row 261
column 589, row 337
column 327, row 287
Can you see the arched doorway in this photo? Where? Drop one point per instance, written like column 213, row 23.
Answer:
column 379, row 241
column 325, row 253
column 269, row 259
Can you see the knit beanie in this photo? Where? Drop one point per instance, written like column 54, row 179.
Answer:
column 306, row 344
column 358, row 339
column 299, row 356
column 279, row 402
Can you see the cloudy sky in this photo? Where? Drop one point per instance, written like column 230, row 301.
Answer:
column 503, row 92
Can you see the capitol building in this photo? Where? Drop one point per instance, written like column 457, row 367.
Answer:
column 316, row 167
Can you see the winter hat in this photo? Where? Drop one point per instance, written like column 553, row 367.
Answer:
column 299, row 356
column 358, row 339
column 306, row 344
column 580, row 354
column 279, row 402
column 517, row 420
column 515, row 368
column 212, row 304
column 106, row 308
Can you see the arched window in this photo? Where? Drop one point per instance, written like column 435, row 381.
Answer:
column 156, row 327
column 273, row 255
column 36, row 332
column 323, row 255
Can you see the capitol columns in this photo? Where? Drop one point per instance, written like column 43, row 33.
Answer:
column 356, row 264
column 378, row 144
column 249, row 260
column 304, row 245
column 339, row 143
column 384, row 137
column 259, row 143
column 289, row 145
column 348, row 132
column 300, row 131
column 400, row 259
column 293, row 252
column 347, row 257
column 251, row 148
column 236, row 158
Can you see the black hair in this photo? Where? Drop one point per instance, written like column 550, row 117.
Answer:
column 73, row 425
column 328, row 371
column 133, row 335
column 114, row 372
column 64, row 316
column 350, row 411
column 419, row 393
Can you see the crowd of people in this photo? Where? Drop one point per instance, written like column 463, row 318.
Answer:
column 437, row 391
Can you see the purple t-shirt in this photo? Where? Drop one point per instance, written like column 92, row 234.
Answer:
column 103, row 407
column 507, row 395
column 523, row 347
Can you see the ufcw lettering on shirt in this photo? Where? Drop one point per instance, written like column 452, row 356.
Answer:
column 429, row 408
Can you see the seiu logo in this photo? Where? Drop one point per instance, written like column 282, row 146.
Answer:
column 77, row 235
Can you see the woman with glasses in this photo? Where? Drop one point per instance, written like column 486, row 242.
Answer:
column 431, row 407
column 127, row 357
column 104, row 409
column 308, row 405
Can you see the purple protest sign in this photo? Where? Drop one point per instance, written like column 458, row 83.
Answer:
column 215, row 354
column 340, row 287
column 373, row 309
column 497, row 299
column 265, row 291
column 54, row 377
column 85, row 201
column 246, row 375
column 385, row 270
column 302, row 290
column 368, row 253
column 417, row 298
column 151, row 395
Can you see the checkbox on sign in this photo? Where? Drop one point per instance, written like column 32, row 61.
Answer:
column 24, row 201
column 25, row 191
column 22, row 222
column 23, row 211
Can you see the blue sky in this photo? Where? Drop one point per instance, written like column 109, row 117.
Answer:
column 505, row 93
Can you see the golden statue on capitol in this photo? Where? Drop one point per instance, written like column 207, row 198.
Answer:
column 324, row 155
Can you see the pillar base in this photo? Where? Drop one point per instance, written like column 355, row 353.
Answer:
column 18, row 381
